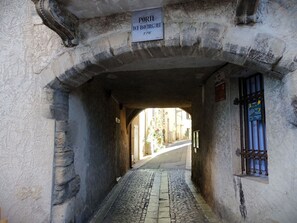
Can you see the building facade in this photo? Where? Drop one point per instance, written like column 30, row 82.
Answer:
column 72, row 80
column 155, row 128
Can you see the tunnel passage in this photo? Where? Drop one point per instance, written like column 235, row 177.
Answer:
column 101, row 110
column 179, row 71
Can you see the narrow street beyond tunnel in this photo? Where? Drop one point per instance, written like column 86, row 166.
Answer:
column 160, row 190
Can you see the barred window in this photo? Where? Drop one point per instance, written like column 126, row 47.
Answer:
column 254, row 157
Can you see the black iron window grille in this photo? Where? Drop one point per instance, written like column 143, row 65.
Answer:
column 254, row 158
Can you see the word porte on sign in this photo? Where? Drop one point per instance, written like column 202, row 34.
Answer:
column 147, row 25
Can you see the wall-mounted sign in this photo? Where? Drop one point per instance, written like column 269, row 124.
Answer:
column 220, row 87
column 147, row 25
column 255, row 111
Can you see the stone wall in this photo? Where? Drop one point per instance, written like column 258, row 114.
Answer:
column 216, row 166
column 26, row 135
column 100, row 145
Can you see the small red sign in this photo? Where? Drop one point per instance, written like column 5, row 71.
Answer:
column 220, row 92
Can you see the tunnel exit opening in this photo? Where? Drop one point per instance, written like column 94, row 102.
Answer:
column 155, row 131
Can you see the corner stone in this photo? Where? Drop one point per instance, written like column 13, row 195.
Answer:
column 64, row 174
column 64, row 213
column 266, row 51
column 67, row 191
column 64, row 159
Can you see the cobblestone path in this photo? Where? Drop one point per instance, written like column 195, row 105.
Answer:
column 133, row 200
column 159, row 192
column 183, row 206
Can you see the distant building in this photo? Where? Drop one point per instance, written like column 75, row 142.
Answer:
column 154, row 128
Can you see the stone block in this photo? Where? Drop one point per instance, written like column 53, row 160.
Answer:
column 164, row 220
column 141, row 52
column 64, row 159
column 172, row 40
column 62, row 126
column 106, row 60
column 73, row 78
column 60, row 106
column 155, row 48
column 47, row 102
column 63, row 149
column 99, row 45
column 118, row 41
column 66, row 191
column 265, row 52
column 93, row 69
column 48, row 95
column 121, row 48
column 103, row 54
column 288, row 62
column 64, row 213
column 80, row 56
column 150, row 220
column 190, row 39
column 64, row 174
column 62, row 63
column 60, row 140
column 56, row 84
column 126, row 55
column 211, row 39
column 59, row 112
column 189, row 34
column 172, row 34
column 61, row 98
column 47, row 111
column 234, row 53
column 83, row 68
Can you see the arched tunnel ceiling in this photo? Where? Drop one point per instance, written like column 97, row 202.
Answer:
column 170, row 63
column 163, row 83
column 97, row 8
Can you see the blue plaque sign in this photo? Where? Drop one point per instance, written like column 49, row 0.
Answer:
column 255, row 113
column 147, row 25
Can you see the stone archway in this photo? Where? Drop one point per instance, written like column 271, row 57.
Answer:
column 262, row 52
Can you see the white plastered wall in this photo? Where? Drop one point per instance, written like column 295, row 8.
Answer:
column 264, row 200
column 26, row 135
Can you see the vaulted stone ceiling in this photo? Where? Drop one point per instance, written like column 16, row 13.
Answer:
column 97, row 8
column 166, row 84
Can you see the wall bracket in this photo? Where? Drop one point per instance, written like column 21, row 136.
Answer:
column 64, row 23
column 246, row 11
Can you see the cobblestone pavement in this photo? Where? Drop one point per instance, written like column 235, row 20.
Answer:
column 133, row 200
column 183, row 206
column 159, row 192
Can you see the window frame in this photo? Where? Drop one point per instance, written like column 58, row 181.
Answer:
column 253, row 138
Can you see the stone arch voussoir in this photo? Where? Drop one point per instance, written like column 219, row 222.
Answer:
column 261, row 51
